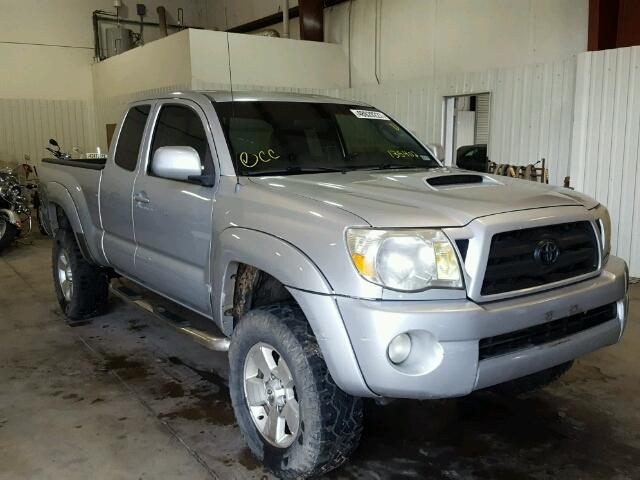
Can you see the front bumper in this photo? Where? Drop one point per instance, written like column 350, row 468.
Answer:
column 445, row 335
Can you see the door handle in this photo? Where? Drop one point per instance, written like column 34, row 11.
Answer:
column 141, row 198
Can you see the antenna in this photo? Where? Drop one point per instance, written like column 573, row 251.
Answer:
column 233, row 108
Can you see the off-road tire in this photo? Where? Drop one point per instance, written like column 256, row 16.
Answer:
column 331, row 420
column 90, row 283
column 10, row 234
column 532, row 382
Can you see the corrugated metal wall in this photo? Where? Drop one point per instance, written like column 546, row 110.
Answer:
column 531, row 110
column 606, row 142
column 27, row 124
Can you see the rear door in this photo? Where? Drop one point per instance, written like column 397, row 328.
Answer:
column 173, row 218
column 116, row 188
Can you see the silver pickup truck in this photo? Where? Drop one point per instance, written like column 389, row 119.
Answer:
column 338, row 256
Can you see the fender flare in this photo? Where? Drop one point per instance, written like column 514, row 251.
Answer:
column 271, row 254
column 59, row 196
column 304, row 280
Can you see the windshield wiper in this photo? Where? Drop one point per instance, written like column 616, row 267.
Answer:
column 292, row 170
column 386, row 166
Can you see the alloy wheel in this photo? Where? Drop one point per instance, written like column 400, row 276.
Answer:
column 269, row 390
column 65, row 275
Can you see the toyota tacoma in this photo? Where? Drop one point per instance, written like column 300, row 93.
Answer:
column 337, row 256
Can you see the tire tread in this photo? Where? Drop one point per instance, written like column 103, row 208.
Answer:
column 340, row 413
column 90, row 283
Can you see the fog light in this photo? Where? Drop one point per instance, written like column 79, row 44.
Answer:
column 399, row 348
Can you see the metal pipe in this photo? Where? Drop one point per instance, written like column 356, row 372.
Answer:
column 137, row 22
column 162, row 20
column 96, row 37
column 285, row 18
column 274, row 19
column 99, row 16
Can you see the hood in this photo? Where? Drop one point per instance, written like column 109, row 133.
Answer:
column 440, row 197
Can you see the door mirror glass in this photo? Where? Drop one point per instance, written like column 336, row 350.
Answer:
column 53, row 142
column 176, row 163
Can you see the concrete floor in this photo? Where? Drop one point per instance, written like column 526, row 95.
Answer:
column 127, row 397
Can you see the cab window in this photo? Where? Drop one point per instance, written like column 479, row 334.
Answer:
column 130, row 139
column 181, row 126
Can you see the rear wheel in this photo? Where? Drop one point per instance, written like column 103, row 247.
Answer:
column 82, row 289
column 290, row 412
column 8, row 233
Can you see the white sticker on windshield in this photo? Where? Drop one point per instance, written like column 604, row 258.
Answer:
column 370, row 114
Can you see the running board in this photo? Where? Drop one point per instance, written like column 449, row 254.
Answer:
column 218, row 343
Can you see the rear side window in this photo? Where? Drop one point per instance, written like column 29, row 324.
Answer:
column 130, row 138
column 180, row 126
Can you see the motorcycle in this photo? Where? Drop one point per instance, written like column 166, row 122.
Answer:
column 15, row 210
column 57, row 152
column 18, row 199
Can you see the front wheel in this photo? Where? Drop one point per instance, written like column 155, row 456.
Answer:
column 82, row 288
column 290, row 412
column 8, row 233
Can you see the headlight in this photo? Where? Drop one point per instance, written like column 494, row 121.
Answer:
column 604, row 222
column 406, row 260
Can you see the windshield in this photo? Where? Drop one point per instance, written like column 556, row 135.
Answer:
column 298, row 137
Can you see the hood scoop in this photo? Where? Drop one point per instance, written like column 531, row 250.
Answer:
column 455, row 180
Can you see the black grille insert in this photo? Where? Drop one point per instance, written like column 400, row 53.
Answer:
column 514, row 262
column 463, row 246
column 545, row 333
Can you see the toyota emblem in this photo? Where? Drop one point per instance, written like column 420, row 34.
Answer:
column 546, row 252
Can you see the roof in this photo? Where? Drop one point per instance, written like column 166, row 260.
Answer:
column 261, row 96
column 258, row 96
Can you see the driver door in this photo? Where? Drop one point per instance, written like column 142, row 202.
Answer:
column 173, row 218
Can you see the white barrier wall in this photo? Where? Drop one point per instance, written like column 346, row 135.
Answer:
column 606, row 141
column 199, row 60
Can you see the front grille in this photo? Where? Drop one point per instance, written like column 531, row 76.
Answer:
column 545, row 333
column 514, row 262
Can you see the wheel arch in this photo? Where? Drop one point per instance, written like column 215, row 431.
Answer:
column 256, row 254
column 62, row 209
column 60, row 205
column 273, row 257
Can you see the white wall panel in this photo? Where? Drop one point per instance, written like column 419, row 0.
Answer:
column 530, row 116
column 424, row 38
column 27, row 124
column 606, row 142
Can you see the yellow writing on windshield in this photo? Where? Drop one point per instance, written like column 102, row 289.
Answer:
column 250, row 160
column 402, row 154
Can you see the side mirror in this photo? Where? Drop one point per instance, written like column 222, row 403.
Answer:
column 176, row 163
column 52, row 142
